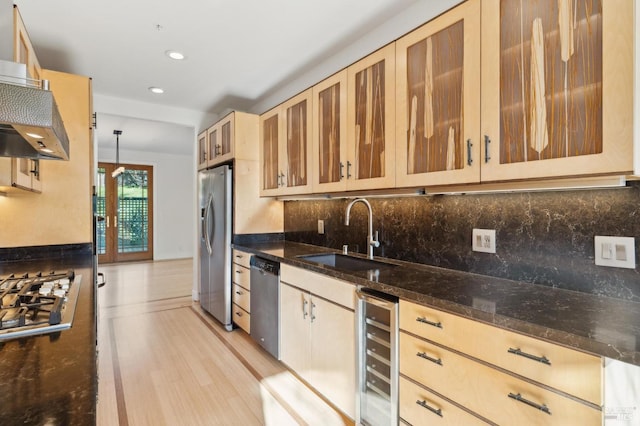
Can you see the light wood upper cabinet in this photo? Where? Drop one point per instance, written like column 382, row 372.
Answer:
column 203, row 150
column 233, row 136
column 212, row 143
column 438, row 100
column 557, row 83
column 23, row 51
column 371, row 121
column 222, row 140
column 329, row 134
column 285, row 142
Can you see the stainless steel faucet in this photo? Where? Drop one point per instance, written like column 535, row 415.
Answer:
column 372, row 241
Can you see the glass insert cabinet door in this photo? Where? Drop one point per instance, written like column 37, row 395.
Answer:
column 557, row 88
column 371, row 121
column 125, row 202
column 438, row 100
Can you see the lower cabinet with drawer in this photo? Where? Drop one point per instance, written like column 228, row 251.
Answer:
column 241, row 288
column 500, row 376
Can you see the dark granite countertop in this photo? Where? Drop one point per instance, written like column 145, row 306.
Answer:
column 52, row 378
column 598, row 325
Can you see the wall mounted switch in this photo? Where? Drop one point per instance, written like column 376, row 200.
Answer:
column 484, row 240
column 617, row 252
column 320, row 226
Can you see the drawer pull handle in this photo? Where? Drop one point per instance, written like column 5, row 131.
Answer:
column 239, row 293
column 519, row 398
column 239, row 256
column 428, row 358
column 239, row 314
column 543, row 359
column 238, row 271
column 426, row 321
column 424, row 404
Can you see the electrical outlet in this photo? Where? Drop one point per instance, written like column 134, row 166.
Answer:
column 320, row 226
column 484, row 240
column 616, row 252
column 484, row 305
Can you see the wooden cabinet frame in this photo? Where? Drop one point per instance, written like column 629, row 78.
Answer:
column 617, row 102
column 465, row 167
column 329, row 136
column 365, row 112
column 294, row 175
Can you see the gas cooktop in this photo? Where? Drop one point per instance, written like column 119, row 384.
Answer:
column 37, row 303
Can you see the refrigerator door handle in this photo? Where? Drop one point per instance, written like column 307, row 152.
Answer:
column 203, row 224
column 207, row 237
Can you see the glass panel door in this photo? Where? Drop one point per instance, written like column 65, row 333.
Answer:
column 126, row 203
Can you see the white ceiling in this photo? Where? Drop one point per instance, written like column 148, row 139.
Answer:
column 238, row 52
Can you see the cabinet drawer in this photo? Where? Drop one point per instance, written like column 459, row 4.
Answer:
column 241, row 276
column 570, row 371
column 241, row 258
column 487, row 391
column 241, row 318
column 418, row 406
column 241, row 297
column 340, row 292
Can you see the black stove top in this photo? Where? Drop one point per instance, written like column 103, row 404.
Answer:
column 37, row 303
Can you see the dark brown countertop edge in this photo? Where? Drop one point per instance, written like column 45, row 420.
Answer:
column 606, row 343
column 33, row 408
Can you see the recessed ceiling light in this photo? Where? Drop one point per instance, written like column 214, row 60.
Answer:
column 175, row 55
column 157, row 90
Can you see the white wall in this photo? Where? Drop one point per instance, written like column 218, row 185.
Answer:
column 173, row 199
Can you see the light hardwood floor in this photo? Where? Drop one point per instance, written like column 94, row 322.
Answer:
column 164, row 361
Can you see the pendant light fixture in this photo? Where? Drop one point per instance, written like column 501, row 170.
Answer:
column 119, row 169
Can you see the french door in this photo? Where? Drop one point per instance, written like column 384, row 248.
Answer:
column 126, row 204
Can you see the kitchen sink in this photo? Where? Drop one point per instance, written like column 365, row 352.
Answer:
column 346, row 263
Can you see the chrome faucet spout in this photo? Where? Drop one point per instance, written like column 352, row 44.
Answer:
column 371, row 240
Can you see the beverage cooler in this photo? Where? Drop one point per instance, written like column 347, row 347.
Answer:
column 377, row 338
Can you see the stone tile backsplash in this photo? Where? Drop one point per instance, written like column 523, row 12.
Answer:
column 541, row 237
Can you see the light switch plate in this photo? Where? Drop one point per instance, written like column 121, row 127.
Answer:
column 616, row 252
column 483, row 240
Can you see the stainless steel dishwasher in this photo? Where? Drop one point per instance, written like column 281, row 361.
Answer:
column 265, row 304
column 377, row 339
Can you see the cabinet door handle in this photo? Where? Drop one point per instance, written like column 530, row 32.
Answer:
column 469, row 145
column 426, row 321
column 487, row 141
column 313, row 316
column 519, row 398
column 543, row 359
column 217, row 149
column 341, row 170
column 348, row 169
column 107, row 221
column 428, row 358
column 115, row 221
column 304, row 308
column 423, row 404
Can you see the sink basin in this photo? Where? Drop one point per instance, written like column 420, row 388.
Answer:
column 346, row 263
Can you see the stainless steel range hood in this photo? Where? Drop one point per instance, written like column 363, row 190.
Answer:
column 30, row 123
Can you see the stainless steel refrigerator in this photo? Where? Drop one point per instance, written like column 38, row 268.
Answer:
column 215, row 242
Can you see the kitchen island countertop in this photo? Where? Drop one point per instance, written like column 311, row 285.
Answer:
column 598, row 325
column 52, row 378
